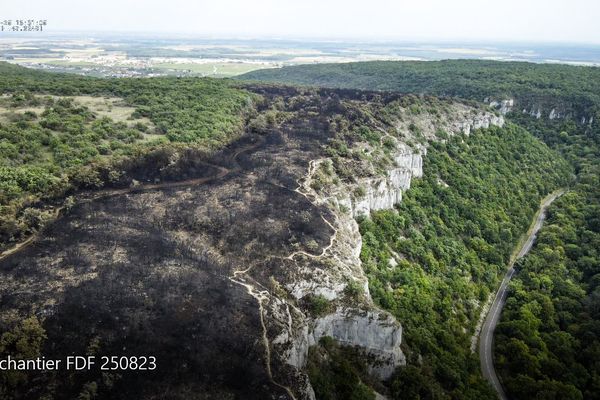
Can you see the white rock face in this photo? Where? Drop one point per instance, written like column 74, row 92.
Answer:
column 534, row 112
column 380, row 195
column 344, row 256
column 479, row 121
column 298, row 352
column 407, row 158
column 504, row 106
column 554, row 114
column 589, row 120
column 327, row 286
column 539, row 110
column 384, row 193
column 377, row 333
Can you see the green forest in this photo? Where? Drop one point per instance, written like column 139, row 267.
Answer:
column 548, row 341
column 576, row 89
column 65, row 146
column 451, row 237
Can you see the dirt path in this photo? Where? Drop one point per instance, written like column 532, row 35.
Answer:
column 260, row 296
column 104, row 193
column 486, row 337
column 101, row 194
column 241, row 278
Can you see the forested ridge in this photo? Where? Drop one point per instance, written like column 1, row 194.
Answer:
column 548, row 341
column 574, row 88
column 432, row 262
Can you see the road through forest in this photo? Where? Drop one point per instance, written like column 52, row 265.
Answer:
column 486, row 337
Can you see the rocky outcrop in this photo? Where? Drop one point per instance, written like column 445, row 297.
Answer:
column 382, row 193
column 503, row 106
column 540, row 109
column 555, row 113
column 377, row 333
column 354, row 323
column 535, row 112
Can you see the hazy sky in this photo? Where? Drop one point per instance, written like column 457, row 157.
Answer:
column 512, row 20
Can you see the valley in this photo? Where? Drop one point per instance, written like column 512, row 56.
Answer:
column 539, row 345
column 275, row 241
column 491, row 320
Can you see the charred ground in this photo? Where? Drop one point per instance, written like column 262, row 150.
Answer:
column 147, row 271
column 191, row 256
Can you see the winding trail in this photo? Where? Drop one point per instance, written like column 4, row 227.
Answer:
column 486, row 337
column 241, row 277
column 260, row 296
column 104, row 193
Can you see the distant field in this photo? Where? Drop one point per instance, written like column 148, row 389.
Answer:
column 54, row 61
column 213, row 69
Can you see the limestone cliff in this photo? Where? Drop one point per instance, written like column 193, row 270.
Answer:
column 355, row 321
column 540, row 108
column 383, row 192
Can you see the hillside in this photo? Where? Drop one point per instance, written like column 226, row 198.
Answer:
column 63, row 133
column 228, row 248
column 547, row 342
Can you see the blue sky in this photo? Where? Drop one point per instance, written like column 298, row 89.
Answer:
column 481, row 20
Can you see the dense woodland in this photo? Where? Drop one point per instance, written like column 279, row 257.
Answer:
column 573, row 89
column 548, row 341
column 450, row 239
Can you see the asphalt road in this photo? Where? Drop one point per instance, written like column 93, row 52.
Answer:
column 486, row 337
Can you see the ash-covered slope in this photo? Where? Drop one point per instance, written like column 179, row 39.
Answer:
column 229, row 279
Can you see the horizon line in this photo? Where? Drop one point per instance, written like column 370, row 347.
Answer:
column 295, row 38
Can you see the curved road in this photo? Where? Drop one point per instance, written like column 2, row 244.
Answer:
column 486, row 337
